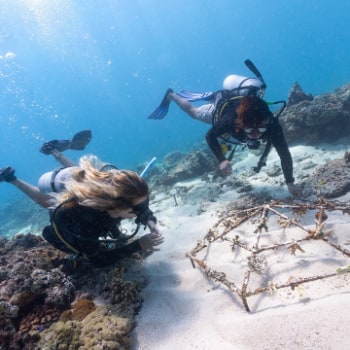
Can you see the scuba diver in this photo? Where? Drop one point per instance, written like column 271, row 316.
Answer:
column 88, row 202
column 238, row 115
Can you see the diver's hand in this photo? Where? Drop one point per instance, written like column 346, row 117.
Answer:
column 295, row 190
column 151, row 240
column 153, row 227
column 225, row 167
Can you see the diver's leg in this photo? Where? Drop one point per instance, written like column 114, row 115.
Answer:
column 185, row 105
column 43, row 199
column 60, row 157
column 202, row 113
column 7, row 174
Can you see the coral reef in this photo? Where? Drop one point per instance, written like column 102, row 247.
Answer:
column 100, row 329
column 33, row 291
column 41, row 306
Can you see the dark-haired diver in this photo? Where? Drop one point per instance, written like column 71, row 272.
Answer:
column 88, row 202
column 237, row 112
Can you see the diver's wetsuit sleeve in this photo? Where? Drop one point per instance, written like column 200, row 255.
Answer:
column 223, row 126
column 280, row 143
column 104, row 258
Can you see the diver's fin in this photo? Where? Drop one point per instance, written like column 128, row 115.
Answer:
column 196, row 96
column 50, row 146
column 161, row 111
column 80, row 140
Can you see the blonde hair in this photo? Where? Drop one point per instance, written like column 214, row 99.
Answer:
column 103, row 190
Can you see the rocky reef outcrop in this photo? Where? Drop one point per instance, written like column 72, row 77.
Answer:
column 324, row 118
column 296, row 95
column 178, row 166
column 330, row 180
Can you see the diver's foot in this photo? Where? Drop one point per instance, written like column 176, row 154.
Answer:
column 167, row 98
column 49, row 147
column 7, row 174
column 161, row 111
column 78, row 142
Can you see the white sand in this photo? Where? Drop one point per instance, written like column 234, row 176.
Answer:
column 184, row 310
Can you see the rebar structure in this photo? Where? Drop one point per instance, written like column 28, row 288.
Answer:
column 259, row 247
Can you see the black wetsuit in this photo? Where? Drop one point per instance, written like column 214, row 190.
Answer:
column 81, row 227
column 227, row 125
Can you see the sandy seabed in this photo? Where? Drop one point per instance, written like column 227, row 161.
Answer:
column 184, row 309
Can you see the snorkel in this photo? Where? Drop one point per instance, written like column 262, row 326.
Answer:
column 255, row 70
column 145, row 216
column 148, row 166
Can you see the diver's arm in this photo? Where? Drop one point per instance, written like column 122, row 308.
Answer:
column 280, row 143
column 108, row 257
column 214, row 145
column 222, row 127
column 145, row 243
column 66, row 162
column 224, row 164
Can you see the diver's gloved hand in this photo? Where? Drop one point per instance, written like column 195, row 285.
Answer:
column 225, row 168
column 295, row 190
column 152, row 225
column 151, row 240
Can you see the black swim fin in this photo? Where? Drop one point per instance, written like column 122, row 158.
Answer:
column 162, row 110
column 78, row 142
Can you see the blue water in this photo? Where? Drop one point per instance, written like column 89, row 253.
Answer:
column 104, row 65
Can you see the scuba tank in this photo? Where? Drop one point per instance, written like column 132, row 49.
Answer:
column 53, row 181
column 243, row 86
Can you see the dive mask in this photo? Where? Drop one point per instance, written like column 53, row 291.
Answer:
column 143, row 213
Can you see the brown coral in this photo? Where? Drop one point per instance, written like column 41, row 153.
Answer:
column 101, row 328
column 79, row 311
